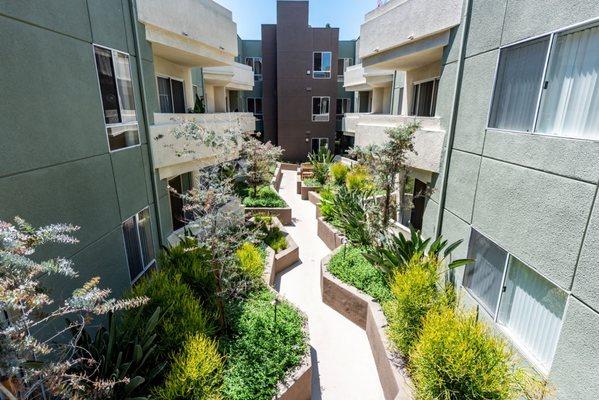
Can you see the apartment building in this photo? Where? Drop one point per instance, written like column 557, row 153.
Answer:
column 507, row 94
column 95, row 87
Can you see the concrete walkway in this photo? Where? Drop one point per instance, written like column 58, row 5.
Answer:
column 343, row 367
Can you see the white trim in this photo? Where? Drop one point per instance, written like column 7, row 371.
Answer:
column 321, row 71
column 172, row 78
column 543, row 77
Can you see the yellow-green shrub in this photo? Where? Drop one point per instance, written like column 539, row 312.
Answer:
column 196, row 372
column 358, row 179
column 339, row 173
column 457, row 358
column 251, row 260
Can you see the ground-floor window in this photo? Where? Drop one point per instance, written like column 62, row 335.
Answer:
column 319, row 143
column 526, row 306
column 137, row 232
column 411, row 211
column 179, row 185
column 171, row 94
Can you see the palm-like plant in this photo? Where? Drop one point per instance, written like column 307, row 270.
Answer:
column 321, row 161
column 396, row 252
column 356, row 215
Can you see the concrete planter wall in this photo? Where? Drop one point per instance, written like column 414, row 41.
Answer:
column 362, row 310
column 286, row 258
column 288, row 167
column 304, row 190
column 314, row 198
column 284, row 214
column 329, row 234
column 277, row 178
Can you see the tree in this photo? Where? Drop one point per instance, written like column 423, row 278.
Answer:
column 258, row 158
column 47, row 362
column 387, row 162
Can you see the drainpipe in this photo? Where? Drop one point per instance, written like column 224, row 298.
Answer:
column 453, row 118
column 146, row 119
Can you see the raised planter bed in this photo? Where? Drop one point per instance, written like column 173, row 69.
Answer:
column 288, row 166
column 365, row 312
column 285, row 258
column 284, row 214
column 330, row 235
column 304, row 190
column 277, row 178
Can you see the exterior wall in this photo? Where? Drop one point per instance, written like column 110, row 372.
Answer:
column 56, row 166
column 269, row 82
column 534, row 195
column 252, row 48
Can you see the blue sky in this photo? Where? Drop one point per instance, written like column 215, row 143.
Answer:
column 344, row 14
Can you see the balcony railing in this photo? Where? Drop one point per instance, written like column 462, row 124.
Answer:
column 237, row 76
column 357, row 78
column 170, row 154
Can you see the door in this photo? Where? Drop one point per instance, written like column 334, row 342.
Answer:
column 177, row 203
column 178, row 96
column 418, row 200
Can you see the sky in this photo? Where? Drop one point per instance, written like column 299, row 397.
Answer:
column 344, row 14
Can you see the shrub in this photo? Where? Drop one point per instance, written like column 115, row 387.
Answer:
column 457, row 358
column 356, row 215
column 266, row 197
column 339, row 173
column 352, row 268
column 250, row 260
column 276, row 239
column 260, row 353
column 196, row 372
column 358, row 179
column 312, row 182
column 327, row 209
column 182, row 313
column 321, row 161
column 415, row 292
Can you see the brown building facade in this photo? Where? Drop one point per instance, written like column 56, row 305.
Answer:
column 300, row 82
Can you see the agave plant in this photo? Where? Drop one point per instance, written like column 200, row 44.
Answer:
column 321, row 161
column 395, row 251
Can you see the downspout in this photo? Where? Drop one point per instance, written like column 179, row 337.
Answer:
column 146, row 119
column 453, row 118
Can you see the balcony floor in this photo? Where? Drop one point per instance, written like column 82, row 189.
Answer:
column 343, row 366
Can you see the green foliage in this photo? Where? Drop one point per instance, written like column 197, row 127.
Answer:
column 276, row 240
column 259, row 352
column 198, row 106
column 354, row 214
column 352, row 268
column 196, row 372
column 458, row 358
column 250, row 260
column 312, row 182
column 182, row 313
column 358, row 179
column 396, row 252
column 339, row 172
column 327, row 209
column 415, row 292
column 321, row 161
column 266, row 197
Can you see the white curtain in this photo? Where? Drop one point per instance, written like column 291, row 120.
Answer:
column 519, row 77
column 570, row 104
column 532, row 309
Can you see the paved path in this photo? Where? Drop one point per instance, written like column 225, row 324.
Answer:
column 343, row 367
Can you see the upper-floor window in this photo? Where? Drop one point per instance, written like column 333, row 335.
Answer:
column 256, row 64
column 525, row 305
column 550, row 85
column 342, row 65
column 254, row 105
column 171, row 95
column 320, row 108
column 424, row 99
column 322, row 64
column 139, row 244
column 118, row 100
column 343, row 106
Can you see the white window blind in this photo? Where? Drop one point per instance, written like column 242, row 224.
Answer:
column 531, row 310
column 570, row 100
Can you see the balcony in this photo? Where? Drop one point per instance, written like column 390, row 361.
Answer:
column 407, row 34
column 235, row 77
column 165, row 146
column 193, row 33
column 357, row 78
column 428, row 140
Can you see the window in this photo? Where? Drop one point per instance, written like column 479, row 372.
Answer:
column 550, row 85
column 343, row 106
column 319, row 143
column 424, row 101
column 414, row 202
column 254, row 105
column 256, row 64
column 525, row 305
column 171, row 95
column 118, row 100
column 139, row 245
column 322, row 64
column 320, row 109
column 342, row 65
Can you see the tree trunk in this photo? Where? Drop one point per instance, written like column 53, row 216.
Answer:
column 386, row 206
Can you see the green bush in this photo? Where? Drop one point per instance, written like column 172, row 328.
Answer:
column 415, row 293
column 457, row 358
column 266, row 197
column 251, row 260
column 196, row 372
column 327, row 208
column 350, row 266
column 260, row 353
column 182, row 313
column 358, row 179
column 276, row 239
column 339, row 173
column 312, row 182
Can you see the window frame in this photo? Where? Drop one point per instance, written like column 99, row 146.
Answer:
column 502, row 289
column 319, row 142
column 257, row 77
column 344, row 101
column 416, row 96
column 330, row 73
column 170, row 86
column 328, row 114
column 247, row 104
column 147, row 267
column 107, row 127
column 552, row 34
column 347, row 62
